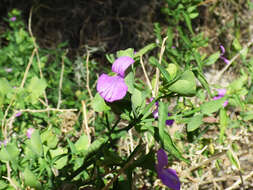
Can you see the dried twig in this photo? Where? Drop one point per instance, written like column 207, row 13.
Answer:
column 85, row 126
column 60, row 82
column 239, row 181
column 157, row 70
column 146, row 76
column 36, row 49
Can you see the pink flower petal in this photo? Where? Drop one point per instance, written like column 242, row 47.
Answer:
column 225, row 103
column 111, row 88
column 225, row 59
column 221, row 92
column 222, row 50
column 29, row 132
column 121, row 64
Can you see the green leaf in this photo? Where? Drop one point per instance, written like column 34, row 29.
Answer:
column 188, row 22
column 31, row 180
column 195, row 122
column 144, row 50
column 171, row 147
column 212, row 106
column 127, row 52
column 36, row 144
column 9, row 153
column 82, row 143
column 98, row 104
column 161, row 68
column 72, row 146
column 162, row 116
column 212, row 58
column 172, row 70
column 137, row 98
column 223, row 124
column 236, row 44
column 129, row 80
column 193, row 15
column 5, row 87
column 36, row 88
column 93, row 148
column 233, row 159
column 3, row 185
column 50, row 138
column 62, row 161
column 164, row 136
column 170, row 36
column 186, row 85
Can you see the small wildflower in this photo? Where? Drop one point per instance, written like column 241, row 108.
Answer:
column 222, row 53
column 168, row 176
column 18, row 114
column 113, row 88
column 13, row 19
column 221, row 94
column 121, row 64
column 29, row 132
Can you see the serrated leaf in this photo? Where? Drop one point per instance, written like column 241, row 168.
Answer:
column 98, row 104
column 31, row 180
column 186, row 85
column 195, row 122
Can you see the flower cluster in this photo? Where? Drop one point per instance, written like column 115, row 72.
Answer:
column 222, row 54
column 221, row 94
column 113, row 88
column 167, row 175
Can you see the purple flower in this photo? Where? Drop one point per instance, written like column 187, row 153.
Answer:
column 12, row 19
column 18, row 114
column 221, row 94
column 29, row 132
column 113, row 88
column 222, row 53
column 121, row 64
column 168, row 176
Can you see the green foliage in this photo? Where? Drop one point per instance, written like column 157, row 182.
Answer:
column 83, row 146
